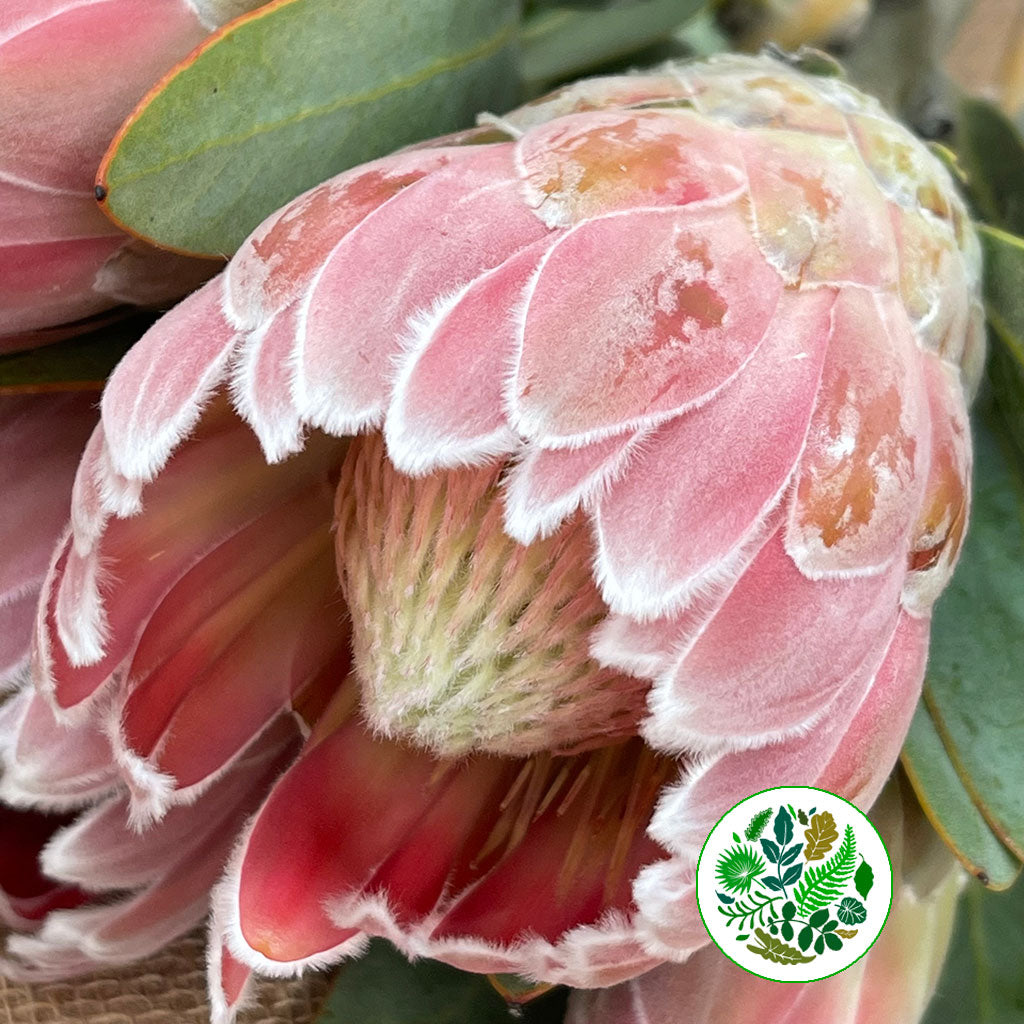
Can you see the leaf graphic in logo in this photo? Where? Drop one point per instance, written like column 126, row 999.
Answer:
column 821, row 836
column 738, row 867
column 864, row 879
column 823, row 884
column 846, row 933
column 783, row 827
column 776, row 950
column 758, row 823
column 851, row 911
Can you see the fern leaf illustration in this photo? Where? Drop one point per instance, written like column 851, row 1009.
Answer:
column 757, row 824
column 822, row 885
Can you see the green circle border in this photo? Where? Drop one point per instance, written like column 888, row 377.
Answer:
column 885, row 920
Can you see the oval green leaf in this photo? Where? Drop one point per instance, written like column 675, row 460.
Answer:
column 299, row 90
column 949, row 806
column 991, row 151
column 972, row 689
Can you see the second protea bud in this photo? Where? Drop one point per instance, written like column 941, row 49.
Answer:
column 640, row 418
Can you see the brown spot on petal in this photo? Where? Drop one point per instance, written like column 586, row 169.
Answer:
column 841, row 499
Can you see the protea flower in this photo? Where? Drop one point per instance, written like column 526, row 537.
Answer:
column 72, row 73
column 893, row 982
column 563, row 482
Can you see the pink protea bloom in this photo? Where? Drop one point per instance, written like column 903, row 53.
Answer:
column 639, row 416
column 892, row 984
column 72, row 73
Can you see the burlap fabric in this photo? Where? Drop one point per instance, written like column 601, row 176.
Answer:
column 169, row 988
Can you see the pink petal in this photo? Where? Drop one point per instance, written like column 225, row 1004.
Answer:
column 697, row 496
column 773, row 658
column 446, row 410
column 549, row 484
column 324, row 830
column 818, row 215
column 229, row 982
column 41, row 441
column 26, row 894
column 444, row 231
column 59, row 57
column 872, row 740
column 155, row 397
column 217, row 484
column 861, row 478
column 17, row 614
column 637, row 316
column 939, row 531
column 599, row 93
column 46, row 283
column 277, row 263
column 261, row 385
column 48, row 765
column 575, row 168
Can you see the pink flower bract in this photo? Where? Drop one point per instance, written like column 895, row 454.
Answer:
column 640, row 415
column 72, row 73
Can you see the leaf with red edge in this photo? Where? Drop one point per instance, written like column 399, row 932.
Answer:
column 291, row 94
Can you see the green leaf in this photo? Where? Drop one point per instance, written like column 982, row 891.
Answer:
column 776, row 950
column 991, row 152
column 972, row 689
column 787, row 930
column 382, row 987
column 983, row 982
column 951, row 809
column 563, row 43
column 805, row 937
column 832, row 940
column 851, row 911
column 818, row 918
column 819, row 944
column 821, row 836
column 293, row 93
column 789, row 910
column 1004, row 286
column 793, row 874
column 783, row 827
column 864, row 879
column 822, row 884
column 758, row 823
column 81, row 363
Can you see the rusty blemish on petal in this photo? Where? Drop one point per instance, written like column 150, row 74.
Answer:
column 868, row 440
column 820, row 198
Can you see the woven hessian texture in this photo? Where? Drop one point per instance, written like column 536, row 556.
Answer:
column 169, row 988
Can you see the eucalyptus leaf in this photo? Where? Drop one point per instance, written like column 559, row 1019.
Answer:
column 983, row 981
column 950, row 808
column 991, row 151
column 972, row 688
column 562, row 42
column 293, row 93
column 383, row 987
column 1004, row 286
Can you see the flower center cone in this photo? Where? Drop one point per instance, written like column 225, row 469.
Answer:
column 464, row 640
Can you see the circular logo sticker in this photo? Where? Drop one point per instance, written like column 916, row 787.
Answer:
column 794, row 884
